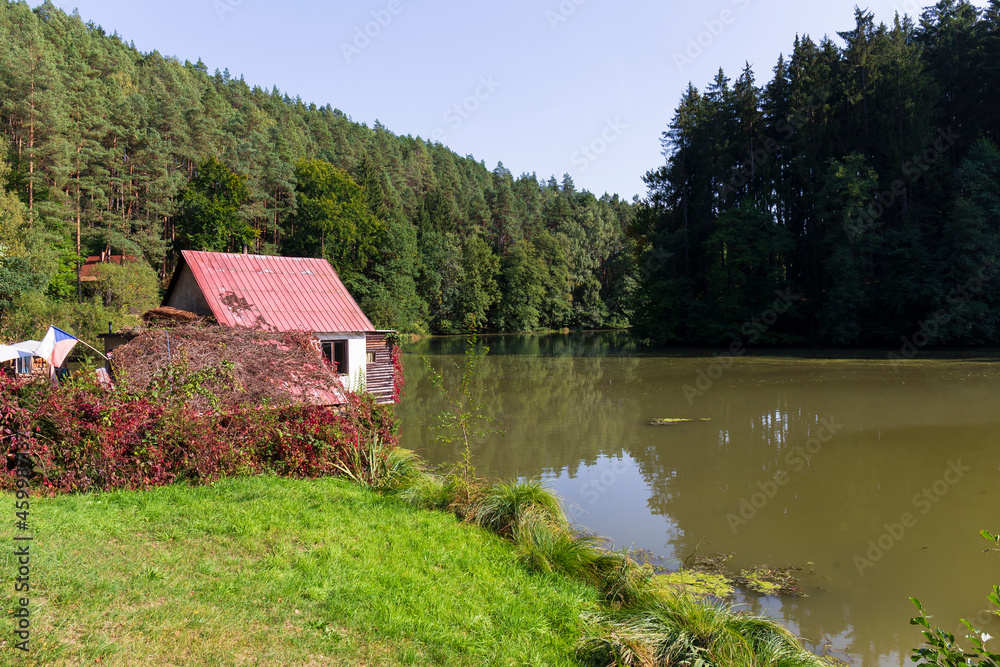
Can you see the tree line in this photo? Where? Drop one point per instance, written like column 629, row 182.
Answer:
column 104, row 147
column 860, row 186
column 859, row 189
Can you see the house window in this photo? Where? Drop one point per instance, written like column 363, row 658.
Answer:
column 371, row 357
column 335, row 352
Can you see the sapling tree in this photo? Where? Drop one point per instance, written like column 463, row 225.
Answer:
column 464, row 419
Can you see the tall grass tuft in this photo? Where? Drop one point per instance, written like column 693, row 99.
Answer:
column 503, row 505
column 425, row 491
column 400, row 468
column 465, row 493
column 622, row 581
column 678, row 629
column 546, row 546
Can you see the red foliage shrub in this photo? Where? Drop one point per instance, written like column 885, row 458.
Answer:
column 236, row 364
column 397, row 374
column 16, row 428
column 82, row 437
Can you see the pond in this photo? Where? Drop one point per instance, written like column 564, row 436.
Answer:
column 875, row 476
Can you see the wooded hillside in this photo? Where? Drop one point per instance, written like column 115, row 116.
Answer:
column 140, row 153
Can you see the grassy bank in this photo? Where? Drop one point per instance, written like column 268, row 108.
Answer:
column 256, row 569
column 268, row 571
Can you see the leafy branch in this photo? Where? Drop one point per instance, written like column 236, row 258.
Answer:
column 941, row 649
column 464, row 420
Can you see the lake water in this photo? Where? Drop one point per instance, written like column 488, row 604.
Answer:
column 875, row 477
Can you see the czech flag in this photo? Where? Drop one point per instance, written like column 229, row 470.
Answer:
column 55, row 347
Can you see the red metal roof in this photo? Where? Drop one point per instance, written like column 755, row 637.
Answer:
column 276, row 293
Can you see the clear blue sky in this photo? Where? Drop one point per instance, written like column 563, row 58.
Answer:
column 528, row 83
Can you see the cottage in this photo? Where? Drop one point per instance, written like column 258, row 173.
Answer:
column 280, row 294
column 88, row 270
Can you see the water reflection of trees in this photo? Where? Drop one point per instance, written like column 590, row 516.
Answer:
column 560, row 403
column 703, row 478
column 579, row 344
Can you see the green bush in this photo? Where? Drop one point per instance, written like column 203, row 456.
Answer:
column 132, row 287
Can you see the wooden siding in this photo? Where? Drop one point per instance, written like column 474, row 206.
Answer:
column 379, row 375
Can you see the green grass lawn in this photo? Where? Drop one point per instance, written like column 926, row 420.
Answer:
column 268, row 571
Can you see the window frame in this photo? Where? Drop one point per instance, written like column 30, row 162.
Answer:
column 329, row 347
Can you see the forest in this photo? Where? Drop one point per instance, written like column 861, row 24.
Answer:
column 858, row 189
column 105, row 148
